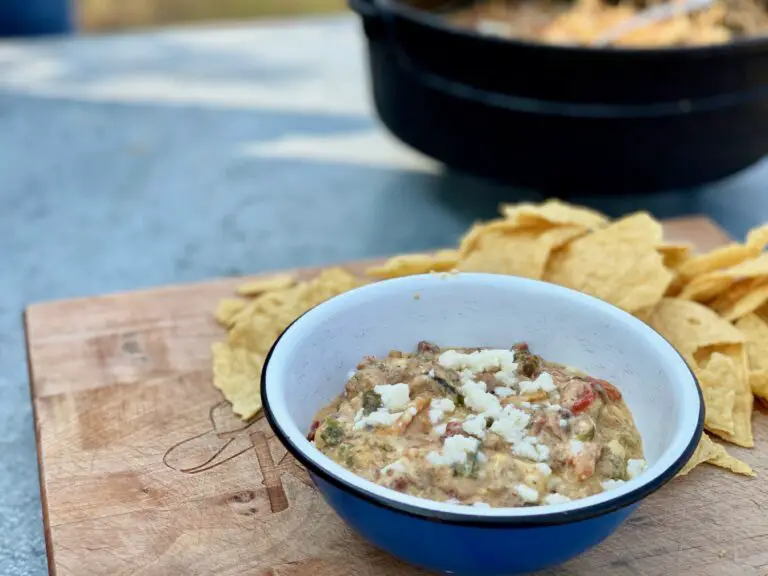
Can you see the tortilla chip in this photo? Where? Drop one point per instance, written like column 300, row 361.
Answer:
column 410, row 264
column 479, row 230
column 715, row 454
column 719, row 400
column 718, row 259
column 752, row 268
column 719, row 381
column 705, row 451
column 265, row 317
column 758, row 382
column 726, row 365
column 757, row 238
column 228, row 309
column 756, row 331
column 256, row 333
column 675, row 254
column 266, row 284
column 523, row 252
column 237, row 373
column 645, row 313
column 554, row 212
column 708, row 286
column 724, row 460
column 714, row 349
column 762, row 312
column 329, row 283
column 675, row 287
column 741, row 299
column 704, row 288
column 638, row 228
column 255, row 326
column 690, row 326
column 618, row 263
column 744, row 404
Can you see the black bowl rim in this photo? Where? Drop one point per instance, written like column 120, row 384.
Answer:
column 425, row 18
column 464, row 518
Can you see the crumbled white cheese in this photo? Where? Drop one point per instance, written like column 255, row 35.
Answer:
column 396, row 467
column 503, row 391
column 611, row 484
column 526, row 387
column 527, row 493
column 412, row 411
column 544, row 383
column 359, row 414
column 544, row 469
column 481, row 505
column 393, row 396
column 476, row 398
column 554, row 407
column 440, row 407
column 379, row 418
column 576, row 447
column 431, row 373
column 455, row 450
column 635, row 467
column 525, row 449
column 563, row 423
column 480, row 457
column 556, row 499
column 468, row 376
column 529, row 448
column 452, row 359
column 475, row 425
column 440, row 428
column 480, row 360
column 526, row 405
column 507, row 378
column 511, row 424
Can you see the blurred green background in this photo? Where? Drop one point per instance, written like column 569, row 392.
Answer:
column 118, row 14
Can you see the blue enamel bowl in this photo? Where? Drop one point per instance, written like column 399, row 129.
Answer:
column 309, row 364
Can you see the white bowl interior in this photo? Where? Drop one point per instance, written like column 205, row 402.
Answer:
column 310, row 364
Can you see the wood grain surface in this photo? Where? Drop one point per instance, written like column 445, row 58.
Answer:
column 144, row 471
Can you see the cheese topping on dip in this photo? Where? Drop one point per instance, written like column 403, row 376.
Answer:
column 482, row 427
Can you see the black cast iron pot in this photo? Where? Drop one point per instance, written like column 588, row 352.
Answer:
column 566, row 119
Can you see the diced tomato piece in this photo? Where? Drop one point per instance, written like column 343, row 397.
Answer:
column 452, row 429
column 584, row 463
column 611, row 392
column 584, row 401
column 312, row 430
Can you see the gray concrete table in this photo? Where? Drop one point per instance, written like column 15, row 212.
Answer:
column 136, row 160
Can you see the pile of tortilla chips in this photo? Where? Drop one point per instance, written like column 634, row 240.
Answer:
column 253, row 324
column 712, row 307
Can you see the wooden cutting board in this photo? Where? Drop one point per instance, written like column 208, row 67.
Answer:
column 144, row 471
